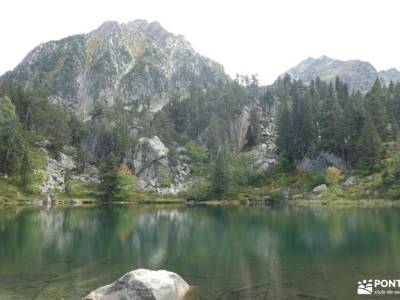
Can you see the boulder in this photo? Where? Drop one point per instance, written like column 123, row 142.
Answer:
column 55, row 172
column 148, row 152
column 143, row 284
column 154, row 169
column 320, row 188
column 351, row 181
column 151, row 163
column 265, row 155
column 89, row 175
column 320, row 161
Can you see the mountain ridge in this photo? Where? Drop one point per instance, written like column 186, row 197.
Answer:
column 359, row 75
column 129, row 61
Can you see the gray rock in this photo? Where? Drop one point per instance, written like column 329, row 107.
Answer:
column 320, row 188
column 43, row 144
column 351, row 181
column 143, row 284
column 320, row 161
column 55, row 171
column 359, row 75
column 240, row 128
column 148, row 152
column 265, row 155
column 89, row 175
column 155, row 171
column 389, row 75
column 133, row 62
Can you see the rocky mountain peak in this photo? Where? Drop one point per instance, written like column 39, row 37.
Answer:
column 131, row 61
column 359, row 75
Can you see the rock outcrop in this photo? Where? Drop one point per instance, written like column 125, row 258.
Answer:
column 351, row 181
column 265, row 155
column 55, row 172
column 143, row 284
column 359, row 75
column 140, row 63
column 320, row 161
column 265, row 152
column 155, row 171
column 240, row 129
column 320, row 188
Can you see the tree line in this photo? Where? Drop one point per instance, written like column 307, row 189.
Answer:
column 328, row 117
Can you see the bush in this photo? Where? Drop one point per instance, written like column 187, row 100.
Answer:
column 333, row 176
column 198, row 155
column 164, row 178
column 245, row 170
column 200, row 191
column 125, row 184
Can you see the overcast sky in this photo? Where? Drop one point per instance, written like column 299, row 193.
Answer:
column 246, row 37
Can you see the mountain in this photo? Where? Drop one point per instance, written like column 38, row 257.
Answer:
column 359, row 75
column 389, row 75
column 136, row 62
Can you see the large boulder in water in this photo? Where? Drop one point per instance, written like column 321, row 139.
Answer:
column 143, row 284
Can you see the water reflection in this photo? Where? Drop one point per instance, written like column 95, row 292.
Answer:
column 226, row 252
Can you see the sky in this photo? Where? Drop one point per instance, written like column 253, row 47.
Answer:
column 247, row 37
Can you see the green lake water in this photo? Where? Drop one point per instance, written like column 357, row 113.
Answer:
column 229, row 252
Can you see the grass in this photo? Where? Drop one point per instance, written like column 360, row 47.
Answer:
column 10, row 192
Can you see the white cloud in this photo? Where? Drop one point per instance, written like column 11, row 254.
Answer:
column 263, row 37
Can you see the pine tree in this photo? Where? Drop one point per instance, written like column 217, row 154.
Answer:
column 220, row 172
column 80, row 159
column 331, row 129
column 303, row 127
column 26, row 171
column 67, row 182
column 215, row 136
column 10, row 138
column 375, row 105
column 353, row 120
column 108, row 176
column 267, row 101
column 369, row 146
column 284, row 130
column 255, row 128
column 342, row 91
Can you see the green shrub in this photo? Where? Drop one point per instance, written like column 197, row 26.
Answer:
column 164, row 178
column 198, row 155
column 125, row 184
column 200, row 191
column 333, row 176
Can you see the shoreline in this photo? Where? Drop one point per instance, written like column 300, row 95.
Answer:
column 298, row 202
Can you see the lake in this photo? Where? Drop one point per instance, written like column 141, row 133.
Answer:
column 224, row 252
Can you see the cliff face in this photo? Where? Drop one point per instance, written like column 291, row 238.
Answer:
column 139, row 62
column 359, row 75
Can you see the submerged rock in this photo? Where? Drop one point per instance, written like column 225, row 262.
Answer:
column 143, row 284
